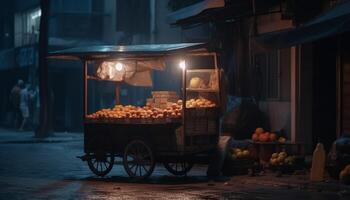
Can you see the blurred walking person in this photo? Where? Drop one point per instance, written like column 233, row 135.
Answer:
column 36, row 107
column 24, row 105
column 15, row 102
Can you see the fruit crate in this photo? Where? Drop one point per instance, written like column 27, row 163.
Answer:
column 202, row 121
column 210, row 113
column 298, row 164
column 192, row 142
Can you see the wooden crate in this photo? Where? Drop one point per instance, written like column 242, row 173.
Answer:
column 162, row 99
column 163, row 93
column 213, row 126
column 202, row 121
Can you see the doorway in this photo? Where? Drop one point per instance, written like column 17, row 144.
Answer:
column 324, row 98
column 344, row 85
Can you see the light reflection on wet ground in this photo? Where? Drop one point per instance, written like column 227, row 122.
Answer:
column 52, row 171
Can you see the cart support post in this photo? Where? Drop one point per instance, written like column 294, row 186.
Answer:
column 85, row 89
column 215, row 60
column 184, row 96
column 117, row 93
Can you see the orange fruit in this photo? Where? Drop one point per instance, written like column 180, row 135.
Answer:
column 259, row 131
column 255, row 137
column 273, row 137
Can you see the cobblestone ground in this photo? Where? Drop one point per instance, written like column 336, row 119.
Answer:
column 50, row 170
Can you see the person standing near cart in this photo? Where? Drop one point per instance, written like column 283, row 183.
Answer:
column 237, row 123
column 238, row 120
column 219, row 154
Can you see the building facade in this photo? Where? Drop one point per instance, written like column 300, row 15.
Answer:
column 72, row 24
column 300, row 87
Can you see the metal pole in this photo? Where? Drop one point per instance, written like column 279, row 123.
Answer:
column 340, row 83
column 184, row 93
column 85, row 89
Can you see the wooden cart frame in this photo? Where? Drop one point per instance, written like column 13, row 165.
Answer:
column 141, row 145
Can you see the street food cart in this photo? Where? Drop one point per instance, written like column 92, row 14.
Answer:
column 173, row 129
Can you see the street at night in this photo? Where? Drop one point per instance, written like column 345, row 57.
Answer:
column 49, row 169
column 175, row 99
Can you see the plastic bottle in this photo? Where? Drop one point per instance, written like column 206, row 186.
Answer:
column 318, row 163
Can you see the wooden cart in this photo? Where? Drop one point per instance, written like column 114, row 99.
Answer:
column 178, row 144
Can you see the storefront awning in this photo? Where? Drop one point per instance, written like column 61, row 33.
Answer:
column 194, row 10
column 333, row 22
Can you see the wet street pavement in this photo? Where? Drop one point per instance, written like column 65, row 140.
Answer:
column 50, row 170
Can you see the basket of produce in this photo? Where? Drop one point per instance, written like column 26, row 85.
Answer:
column 262, row 136
column 285, row 163
column 238, row 162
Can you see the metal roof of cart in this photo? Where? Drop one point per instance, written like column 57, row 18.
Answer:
column 129, row 51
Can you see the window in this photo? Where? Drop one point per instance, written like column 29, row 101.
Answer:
column 268, row 75
column 174, row 5
column 133, row 16
column 69, row 6
column 27, row 25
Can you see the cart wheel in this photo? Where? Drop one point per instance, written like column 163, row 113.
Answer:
column 178, row 168
column 101, row 164
column 138, row 159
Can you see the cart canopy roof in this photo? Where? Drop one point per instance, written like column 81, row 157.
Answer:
column 147, row 51
column 138, row 60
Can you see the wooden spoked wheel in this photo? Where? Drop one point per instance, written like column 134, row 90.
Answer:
column 138, row 159
column 178, row 168
column 100, row 163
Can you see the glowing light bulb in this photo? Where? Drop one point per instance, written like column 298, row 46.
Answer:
column 119, row 66
column 182, row 64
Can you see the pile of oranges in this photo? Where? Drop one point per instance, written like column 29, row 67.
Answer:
column 200, row 103
column 135, row 112
column 148, row 112
column 260, row 135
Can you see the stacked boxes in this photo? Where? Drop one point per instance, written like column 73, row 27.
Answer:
column 202, row 121
column 162, row 99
